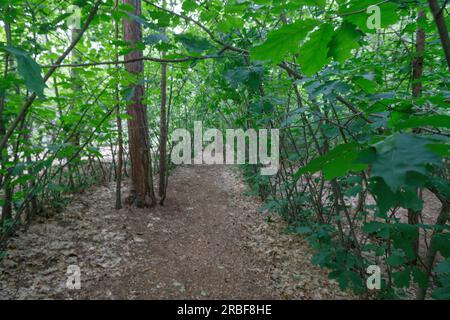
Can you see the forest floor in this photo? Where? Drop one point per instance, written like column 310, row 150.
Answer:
column 207, row 242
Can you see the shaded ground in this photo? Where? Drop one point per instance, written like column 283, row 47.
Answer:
column 207, row 242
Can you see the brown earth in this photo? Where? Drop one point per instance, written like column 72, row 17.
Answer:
column 207, row 242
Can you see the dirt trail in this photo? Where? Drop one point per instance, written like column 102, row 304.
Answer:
column 207, row 242
column 191, row 247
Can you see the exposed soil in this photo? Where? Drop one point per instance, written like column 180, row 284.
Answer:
column 207, row 242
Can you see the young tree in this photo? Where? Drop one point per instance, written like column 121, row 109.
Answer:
column 141, row 193
column 6, row 212
column 163, row 134
column 76, row 88
column 417, row 65
column 119, row 127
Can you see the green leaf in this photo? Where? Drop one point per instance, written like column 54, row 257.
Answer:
column 441, row 185
column 443, row 267
column 381, row 229
column 164, row 18
column 349, row 278
column 395, row 260
column 435, row 121
column 237, row 76
column 442, row 293
column 310, row 3
column 230, row 22
column 442, row 271
column 251, row 76
column 314, row 52
column 344, row 40
column 442, row 149
column 282, row 41
column 365, row 83
column 321, row 258
column 403, row 237
column 335, row 163
column 441, row 242
column 193, row 43
column 29, row 69
column 409, row 200
column 400, row 154
column 356, row 12
column 420, row 277
column 402, row 278
column 154, row 38
column 189, row 5
column 303, row 230
column 139, row 19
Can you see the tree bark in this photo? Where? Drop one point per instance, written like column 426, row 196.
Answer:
column 437, row 11
column 418, row 61
column 419, row 57
column 119, row 129
column 76, row 88
column 431, row 253
column 163, row 130
column 163, row 135
column 141, row 193
column 6, row 212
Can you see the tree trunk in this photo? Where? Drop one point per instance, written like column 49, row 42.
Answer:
column 6, row 212
column 141, row 193
column 419, row 57
column 431, row 253
column 119, row 130
column 418, row 61
column 163, row 131
column 437, row 12
column 76, row 88
column 163, row 135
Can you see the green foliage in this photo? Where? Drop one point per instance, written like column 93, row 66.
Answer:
column 344, row 40
column 314, row 52
column 335, row 163
column 401, row 154
column 282, row 41
column 192, row 43
column 249, row 76
column 357, row 13
column 357, row 149
column 443, row 272
column 28, row 69
column 434, row 121
column 441, row 242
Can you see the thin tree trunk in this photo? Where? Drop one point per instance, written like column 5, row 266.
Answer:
column 437, row 11
column 418, row 62
column 139, row 146
column 33, row 208
column 6, row 213
column 119, row 130
column 431, row 253
column 76, row 88
column 169, row 107
column 163, row 131
column 163, row 135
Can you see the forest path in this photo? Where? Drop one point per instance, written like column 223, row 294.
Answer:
column 207, row 242
column 193, row 246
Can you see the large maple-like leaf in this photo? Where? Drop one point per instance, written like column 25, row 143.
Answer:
column 282, row 41
column 400, row 154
